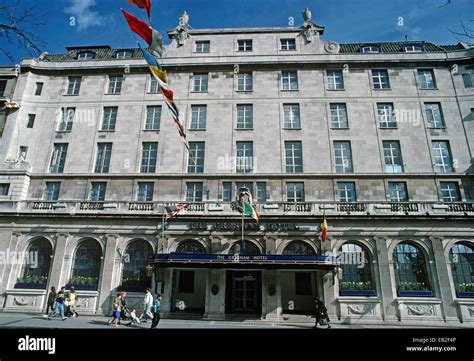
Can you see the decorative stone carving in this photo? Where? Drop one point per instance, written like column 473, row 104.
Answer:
column 181, row 32
column 215, row 289
column 421, row 310
column 471, row 311
column 361, row 309
column 83, row 302
column 24, row 301
column 310, row 29
column 332, row 47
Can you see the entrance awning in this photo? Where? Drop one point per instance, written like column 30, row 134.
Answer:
column 187, row 260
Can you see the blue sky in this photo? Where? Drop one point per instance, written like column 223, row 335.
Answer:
column 99, row 22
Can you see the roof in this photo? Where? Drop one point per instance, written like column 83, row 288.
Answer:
column 398, row 47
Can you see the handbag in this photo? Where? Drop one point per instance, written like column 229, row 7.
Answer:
column 323, row 322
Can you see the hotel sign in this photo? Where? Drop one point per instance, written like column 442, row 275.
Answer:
column 237, row 226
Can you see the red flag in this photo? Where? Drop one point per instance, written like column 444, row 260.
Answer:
column 142, row 4
column 150, row 35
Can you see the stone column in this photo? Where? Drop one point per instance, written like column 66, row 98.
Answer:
column 167, row 294
column 444, row 283
column 56, row 275
column 271, row 303
column 108, row 260
column 385, row 279
column 215, row 304
column 329, row 296
column 7, row 267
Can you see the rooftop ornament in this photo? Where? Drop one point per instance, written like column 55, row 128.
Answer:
column 310, row 29
column 181, row 32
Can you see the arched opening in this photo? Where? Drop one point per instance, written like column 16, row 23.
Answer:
column 36, row 265
column 246, row 248
column 134, row 275
column 191, row 246
column 462, row 267
column 86, row 265
column 356, row 271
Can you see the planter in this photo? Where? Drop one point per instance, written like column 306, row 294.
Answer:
column 364, row 293
column 31, row 286
column 82, row 287
column 140, row 289
column 415, row 293
column 465, row 294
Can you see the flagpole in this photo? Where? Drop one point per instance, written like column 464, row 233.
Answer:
column 243, row 243
column 163, row 228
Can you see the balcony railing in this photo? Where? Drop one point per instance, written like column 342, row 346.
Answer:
column 226, row 209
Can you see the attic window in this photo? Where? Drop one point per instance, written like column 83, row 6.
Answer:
column 413, row 48
column 370, row 49
column 123, row 54
column 86, row 55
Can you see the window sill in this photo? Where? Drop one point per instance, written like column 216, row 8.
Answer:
column 111, row 93
column 151, row 130
column 437, row 128
column 244, row 51
column 106, row 131
column 381, row 89
column 197, row 130
column 153, row 92
column 63, row 131
column 335, row 90
column 339, row 128
column 70, row 95
column 244, row 91
column 428, row 88
column 244, row 129
column 388, row 128
column 284, row 128
column 285, row 50
column 199, row 92
column 290, row 90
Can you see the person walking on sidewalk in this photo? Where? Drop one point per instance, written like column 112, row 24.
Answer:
column 116, row 306
column 321, row 313
column 71, row 303
column 51, row 300
column 59, row 304
column 147, row 306
column 156, row 311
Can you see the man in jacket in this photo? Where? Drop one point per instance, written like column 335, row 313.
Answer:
column 156, row 311
column 147, row 306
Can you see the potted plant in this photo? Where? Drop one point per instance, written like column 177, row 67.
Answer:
column 465, row 290
column 32, row 282
column 357, row 289
column 413, row 289
column 83, row 283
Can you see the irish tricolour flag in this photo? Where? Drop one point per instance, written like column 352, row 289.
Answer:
column 249, row 210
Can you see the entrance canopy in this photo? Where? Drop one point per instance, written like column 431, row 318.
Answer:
column 192, row 260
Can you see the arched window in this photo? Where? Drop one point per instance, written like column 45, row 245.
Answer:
column 36, row 265
column 190, row 247
column 410, row 268
column 356, row 270
column 299, row 248
column 248, row 248
column 134, row 276
column 86, row 264
column 462, row 266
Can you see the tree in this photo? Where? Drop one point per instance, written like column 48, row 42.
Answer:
column 466, row 31
column 15, row 23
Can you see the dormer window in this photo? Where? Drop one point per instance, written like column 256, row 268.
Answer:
column 86, row 55
column 203, row 46
column 370, row 49
column 123, row 54
column 287, row 44
column 413, row 48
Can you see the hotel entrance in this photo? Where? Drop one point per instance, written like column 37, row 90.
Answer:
column 244, row 292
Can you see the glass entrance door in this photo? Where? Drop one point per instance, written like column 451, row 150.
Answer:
column 244, row 292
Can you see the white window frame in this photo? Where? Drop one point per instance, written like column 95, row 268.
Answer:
column 338, row 111
column 434, row 115
column 245, row 82
column 290, row 79
column 442, row 157
column 392, row 166
column 332, row 77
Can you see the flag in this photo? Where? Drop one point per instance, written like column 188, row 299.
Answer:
column 249, row 210
column 143, row 4
column 146, row 32
column 324, row 230
column 174, row 210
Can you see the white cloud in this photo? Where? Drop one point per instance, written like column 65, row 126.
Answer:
column 85, row 17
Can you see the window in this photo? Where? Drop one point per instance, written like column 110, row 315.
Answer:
column 4, row 188
column 398, row 191
column 86, row 55
column 299, row 248
column 468, row 80
column 295, row 192
column 356, row 273
column 37, row 263
column 31, row 120
column 191, row 246
column 387, row 118
column 39, row 89
column 289, row 80
column 194, row 192
column 343, row 157
column 109, row 119
column 426, row 79
column 200, row 82
column 370, row 49
column 410, row 268
column 149, row 154
column 244, row 157
column 393, row 157
column 227, row 192
column 115, row 84
column 123, row 54
column 97, row 191
column 134, row 275
column 380, row 79
column 86, row 262
column 261, row 192
column 450, row 192
column 245, row 116
column 154, row 85
column 413, row 48
column 294, row 157
column 291, row 115
column 74, row 85
column 203, row 46
column 287, row 44
column 51, row 193
column 145, row 191
column 198, row 117
column 67, row 118
column 244, row 82
column 186, row 282
column 462, row 266
column 303, row 284
column 442, row 157
column 3, row 86
column 339, row 116
column 104, row 151
column 245, row 45
column 23, row 153
column 58, row 158
column 153, row 117
column 346, row 191
column 196, row 157
column 335, row 80
column 434, row 115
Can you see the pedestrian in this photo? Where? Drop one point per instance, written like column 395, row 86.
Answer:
column 147, row 306
column 117, row 305
column 71, row 303
column 321, row 312
column 51, row 300
column 60, row 298
column 123, row 309
column 156, row 311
